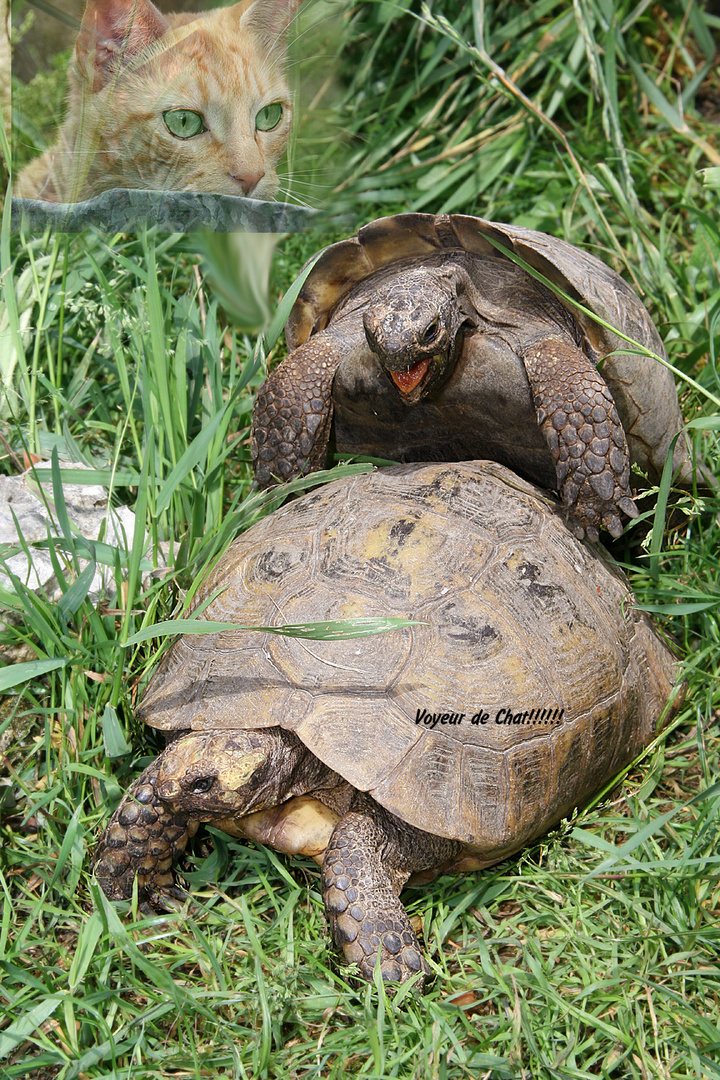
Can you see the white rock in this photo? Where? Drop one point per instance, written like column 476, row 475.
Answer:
column 88, row 509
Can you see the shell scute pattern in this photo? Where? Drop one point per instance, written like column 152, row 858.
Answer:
column 344, row 727
column 484, row 781
column 407, row 558
column 498, row 511
column 513, row 613
column 570, row 759
column 528, row 778
column 376, row 572
column 366, row 666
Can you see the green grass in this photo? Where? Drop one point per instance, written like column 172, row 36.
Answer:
column 594, row 953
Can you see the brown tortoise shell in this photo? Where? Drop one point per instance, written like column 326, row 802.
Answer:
column 513, row 613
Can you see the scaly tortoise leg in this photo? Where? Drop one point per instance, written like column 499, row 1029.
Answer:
column 293, row 412
column 369, row 858
column 577, row 416
column 144, row 838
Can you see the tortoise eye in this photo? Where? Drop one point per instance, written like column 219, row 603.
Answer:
column 202, row 784
column 431, row 332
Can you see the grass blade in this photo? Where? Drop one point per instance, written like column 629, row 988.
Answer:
column 17, row 674
column 321, row 631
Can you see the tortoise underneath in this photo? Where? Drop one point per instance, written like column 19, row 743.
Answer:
column 527, row 639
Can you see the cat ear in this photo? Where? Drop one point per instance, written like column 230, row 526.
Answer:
column 115, row 30
column 267, row 19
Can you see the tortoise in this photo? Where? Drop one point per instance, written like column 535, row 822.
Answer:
column 431, row 312
column 527, row 679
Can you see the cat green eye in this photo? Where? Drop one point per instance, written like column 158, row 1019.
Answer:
column 183, row 123
column 269, row 117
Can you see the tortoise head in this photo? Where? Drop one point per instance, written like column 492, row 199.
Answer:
column 221, row 773
column 413, row 325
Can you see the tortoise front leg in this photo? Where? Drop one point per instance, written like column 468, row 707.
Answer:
column 369, row 858
column 577, row 416
column 293, row 412
column 144, row 838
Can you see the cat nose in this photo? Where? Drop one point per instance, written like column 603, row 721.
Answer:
column 249, row 180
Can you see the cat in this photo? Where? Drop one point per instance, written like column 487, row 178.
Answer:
column 193, row 102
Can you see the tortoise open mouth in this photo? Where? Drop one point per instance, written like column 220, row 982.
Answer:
column 407, row 381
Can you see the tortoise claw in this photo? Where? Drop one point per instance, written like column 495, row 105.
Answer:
column 614, row 525
column 167, row 899
column 627, row 505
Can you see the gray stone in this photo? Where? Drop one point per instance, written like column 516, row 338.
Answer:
column 87, row 507
column 129, row 209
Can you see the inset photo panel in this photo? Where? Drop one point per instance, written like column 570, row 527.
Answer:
column 127, row 113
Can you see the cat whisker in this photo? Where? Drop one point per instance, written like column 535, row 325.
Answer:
column 291, row 64
column 288, row 195
column 293, row 180
column 292, row 198
column 307, row 197
column 316, row 170
column 310, row 59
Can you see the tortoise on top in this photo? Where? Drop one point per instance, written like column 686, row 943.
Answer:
column 528, row 680
column 427, row 312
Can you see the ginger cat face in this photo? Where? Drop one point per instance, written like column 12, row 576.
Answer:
column 180, row 102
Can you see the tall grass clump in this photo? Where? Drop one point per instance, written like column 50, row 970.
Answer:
column 130, row 362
